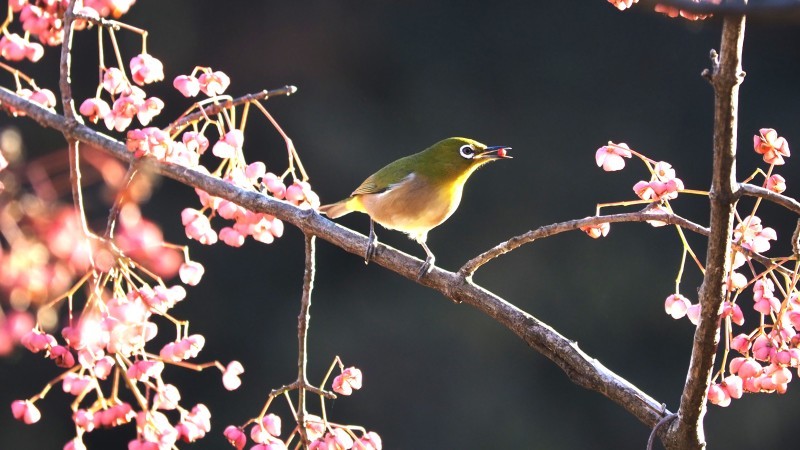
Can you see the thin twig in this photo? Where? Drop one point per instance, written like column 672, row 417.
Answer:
column 752, row 190
column 216, row 108
column 469, row 268
column 302, row 334
column 118, row 201
column 727, row 7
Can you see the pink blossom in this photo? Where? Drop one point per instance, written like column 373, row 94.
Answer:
column 75, row 384
column 733, row 385
column 122, row 112
column 673, row 12
column 274, row 185
column 658, row 190
column 676, row 305
column 198, row 227
column 733, row 311
column 763, row 348
column 597, row 231
column 195, row 142
column 13, row 47
column 25, row 411
column 213, row 83
column 370, row 441
column 191, row 272
column 255, row 170
column 314, row 426
column 718, row 396
column 62, row 356
column 146, row 69
column 196, row 424
column 148, row 141
column 229, row 145
column 751, row 235
column 741, row 343
column 149, row 109
column 94, row 109
column 231, row 237
column 235, row 436
column 347, row 381
column 187, row 85
column 611, row 157
column 36, row 341
column 771, row 146
column 43, row 97
column 776, row 183
column 272, row 424
column 114, row 81
column 83, row 419
column 230, row 377
column 167, row 397
column 75, row 444
column 142, row 370
column 622, row 4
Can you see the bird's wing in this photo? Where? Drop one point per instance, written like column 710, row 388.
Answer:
column 377, row 183
column 369, row 186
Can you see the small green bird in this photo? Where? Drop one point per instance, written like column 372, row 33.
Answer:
column 417, row 193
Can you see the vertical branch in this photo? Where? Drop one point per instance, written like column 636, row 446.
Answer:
column 302, row 334
column 65, row 85
column 726, row 76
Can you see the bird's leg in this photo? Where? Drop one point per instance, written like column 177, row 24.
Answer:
column 427, row 266
column 373, row 239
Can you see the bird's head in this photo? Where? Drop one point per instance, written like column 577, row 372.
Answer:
column 458, row 157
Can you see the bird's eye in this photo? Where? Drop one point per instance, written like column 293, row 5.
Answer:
column 467, row 151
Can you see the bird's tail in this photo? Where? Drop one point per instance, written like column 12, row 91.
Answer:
column 337, row 209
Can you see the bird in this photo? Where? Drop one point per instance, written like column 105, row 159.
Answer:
column 416, row 193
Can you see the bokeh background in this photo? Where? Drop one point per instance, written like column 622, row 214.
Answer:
column 381, row 79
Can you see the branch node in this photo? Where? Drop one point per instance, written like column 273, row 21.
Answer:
column 709, row 74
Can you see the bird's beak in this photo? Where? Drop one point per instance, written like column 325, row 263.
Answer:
column 496, row 152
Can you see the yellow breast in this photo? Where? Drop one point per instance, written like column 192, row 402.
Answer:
column 413, row 206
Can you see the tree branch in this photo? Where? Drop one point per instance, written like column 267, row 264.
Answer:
column 727, row 7
column 760, row 192
column 302, row 334
column 217, row 107
column 469, row 268
column 726, row 76
column 579, row 367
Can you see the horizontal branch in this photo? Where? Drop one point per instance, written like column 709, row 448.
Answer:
column 728, row 7
column 644, row 215
column 217, row 107
column 758, row 191
column 581, row 368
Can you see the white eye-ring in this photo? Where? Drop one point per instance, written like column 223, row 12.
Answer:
column 466, row 151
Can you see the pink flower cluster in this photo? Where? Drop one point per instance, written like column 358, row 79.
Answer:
column 211, row 83
column 322, row 435
column 266, row 434
column 110, row 336
column 663, row 184
column 262, row 227
column 44, row 97
column 45, row 19
column 128, row 101
column 14, row 47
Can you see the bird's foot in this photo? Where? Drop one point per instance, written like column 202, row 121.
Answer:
column 426, row 267
column 371, row 245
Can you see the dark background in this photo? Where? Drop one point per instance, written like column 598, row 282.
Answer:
column 381, row 79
